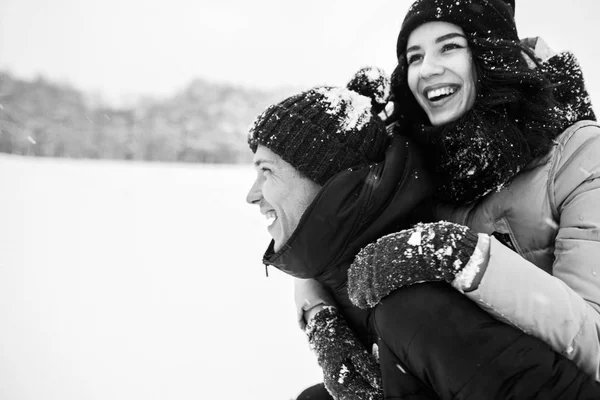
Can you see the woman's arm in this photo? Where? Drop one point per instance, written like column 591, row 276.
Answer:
column 516, row 291
column 562, row 309
column 310, row 297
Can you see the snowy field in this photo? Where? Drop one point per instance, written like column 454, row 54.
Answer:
column 126, row 281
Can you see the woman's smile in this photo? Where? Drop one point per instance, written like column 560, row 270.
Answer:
column 435, row 94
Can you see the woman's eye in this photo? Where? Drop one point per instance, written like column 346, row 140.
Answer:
column 451, row 46
column 411, row 58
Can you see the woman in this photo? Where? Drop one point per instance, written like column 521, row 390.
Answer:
column 432, row 342
column 539, row 196
column 512, row 164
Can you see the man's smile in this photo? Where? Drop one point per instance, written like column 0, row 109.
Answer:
column 271, row 217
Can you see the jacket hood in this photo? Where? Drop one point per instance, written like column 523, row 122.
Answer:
column 354, row 208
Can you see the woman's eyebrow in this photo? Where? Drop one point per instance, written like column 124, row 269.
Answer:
column 413, row 48
column 438, row 40
column 449, row 36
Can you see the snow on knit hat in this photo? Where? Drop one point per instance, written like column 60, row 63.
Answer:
column 484, row 19
column 325, row 130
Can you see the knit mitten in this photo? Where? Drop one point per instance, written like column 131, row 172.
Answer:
column 349, row 371
column 425, row 253
column 564, row 71
column 570, row 91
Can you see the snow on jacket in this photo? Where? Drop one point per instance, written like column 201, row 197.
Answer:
column 549, row 283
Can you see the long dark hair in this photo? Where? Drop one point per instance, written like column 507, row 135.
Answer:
column 510, row 83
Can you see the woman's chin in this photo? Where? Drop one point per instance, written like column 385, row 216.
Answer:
column 444, row 118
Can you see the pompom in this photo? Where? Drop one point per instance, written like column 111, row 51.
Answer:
column 373, row 83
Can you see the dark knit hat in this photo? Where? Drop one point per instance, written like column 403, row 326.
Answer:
column 483, row 19
column 325, row 130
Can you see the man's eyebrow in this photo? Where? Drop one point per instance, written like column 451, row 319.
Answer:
column 263, row 161
column 438, row 40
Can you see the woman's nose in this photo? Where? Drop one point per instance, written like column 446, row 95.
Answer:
column 430, row 67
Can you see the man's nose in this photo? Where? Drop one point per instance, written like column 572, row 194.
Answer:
column 255, row 193
column 430, row 67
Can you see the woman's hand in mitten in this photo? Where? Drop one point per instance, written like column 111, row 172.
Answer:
column 427, row 252
column 349, row 371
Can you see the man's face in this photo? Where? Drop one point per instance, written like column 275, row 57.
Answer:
column 281, row 192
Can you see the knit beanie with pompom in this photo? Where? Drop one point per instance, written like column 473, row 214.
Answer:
column 325, row 130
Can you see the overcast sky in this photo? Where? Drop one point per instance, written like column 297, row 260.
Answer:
column 122, row 48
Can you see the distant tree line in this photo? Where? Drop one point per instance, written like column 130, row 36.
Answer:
column 205, row 123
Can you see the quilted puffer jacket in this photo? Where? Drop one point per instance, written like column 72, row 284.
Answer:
column 543, row 274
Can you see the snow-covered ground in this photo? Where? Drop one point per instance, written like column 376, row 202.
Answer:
column 140, row 281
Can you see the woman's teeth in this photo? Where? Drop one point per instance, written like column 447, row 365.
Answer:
column 436, row 94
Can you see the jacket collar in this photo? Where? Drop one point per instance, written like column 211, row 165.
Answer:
column 352, row 209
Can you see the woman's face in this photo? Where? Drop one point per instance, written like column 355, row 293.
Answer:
column 441, row 74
